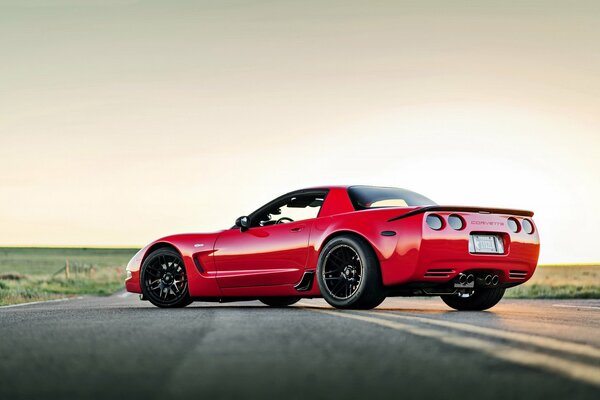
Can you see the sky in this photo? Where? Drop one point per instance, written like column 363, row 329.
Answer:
column 124, row 121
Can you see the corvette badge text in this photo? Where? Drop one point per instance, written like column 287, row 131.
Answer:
column 487, row 223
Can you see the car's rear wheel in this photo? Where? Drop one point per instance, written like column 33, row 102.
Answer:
column 348, row 274
column 279, row 301
column 478, row 300
column 164, row 281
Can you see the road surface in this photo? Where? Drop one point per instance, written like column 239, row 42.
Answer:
column 119, row 347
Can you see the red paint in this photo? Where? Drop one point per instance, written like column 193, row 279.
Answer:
column 271, row 260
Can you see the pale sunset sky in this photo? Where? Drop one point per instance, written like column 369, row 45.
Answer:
column 123, row 121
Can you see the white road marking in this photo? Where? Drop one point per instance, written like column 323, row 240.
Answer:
column 571, row 306
column 41, row 302
column 123, row 295
column 540, row 341
column 573, row 369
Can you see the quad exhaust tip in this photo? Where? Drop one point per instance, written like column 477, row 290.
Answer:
column 464, row 279
column 491, row 280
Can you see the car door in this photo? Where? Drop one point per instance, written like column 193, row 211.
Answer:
column 272, row 251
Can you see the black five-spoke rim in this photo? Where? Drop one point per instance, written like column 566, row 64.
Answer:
column 342, row 271
column 165, row 278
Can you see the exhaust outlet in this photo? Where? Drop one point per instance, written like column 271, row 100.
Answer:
column 488, row 279
column 462, row 279
column 470, row 278
column 495, row 280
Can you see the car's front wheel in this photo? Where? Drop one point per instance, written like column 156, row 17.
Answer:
column 164, row 281
column 478, row 300
column 348, row 274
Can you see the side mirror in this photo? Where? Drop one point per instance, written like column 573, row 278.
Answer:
column 243, row 223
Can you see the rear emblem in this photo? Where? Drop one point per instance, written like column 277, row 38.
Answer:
column 198, row 245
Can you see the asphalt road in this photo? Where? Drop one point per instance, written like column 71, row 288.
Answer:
column 120, row 347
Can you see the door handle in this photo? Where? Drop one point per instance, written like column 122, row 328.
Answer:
column 297, row 229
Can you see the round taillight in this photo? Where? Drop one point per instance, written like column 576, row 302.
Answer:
column 435, row 222
column 513, row 225
column 456, row 222
column 527, row 226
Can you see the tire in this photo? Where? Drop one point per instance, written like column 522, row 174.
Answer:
column 163, row 279
column 479, row 300
column 279, row 301
column 348, row 274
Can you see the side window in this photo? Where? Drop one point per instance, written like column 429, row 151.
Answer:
column 295, row 208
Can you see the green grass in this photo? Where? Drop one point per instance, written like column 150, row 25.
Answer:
column 576, row 281
column 47, row 260
column 34, row 274
column 537, row 291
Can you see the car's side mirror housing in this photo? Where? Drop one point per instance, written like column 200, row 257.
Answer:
column 243, row 223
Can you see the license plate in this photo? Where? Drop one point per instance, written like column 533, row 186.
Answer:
column 486, row 244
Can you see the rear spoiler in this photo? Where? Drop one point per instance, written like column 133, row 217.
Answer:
column 482, row 210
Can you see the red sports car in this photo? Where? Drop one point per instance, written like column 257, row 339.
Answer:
column 359, row 243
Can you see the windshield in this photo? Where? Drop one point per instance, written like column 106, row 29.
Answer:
column 364, row 197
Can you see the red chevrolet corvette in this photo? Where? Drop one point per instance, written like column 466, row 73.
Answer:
column 359, row 243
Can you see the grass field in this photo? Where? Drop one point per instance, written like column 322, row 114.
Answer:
column 577, row 281
column 33, row 274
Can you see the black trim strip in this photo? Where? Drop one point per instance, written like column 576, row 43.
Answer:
column 485, row 210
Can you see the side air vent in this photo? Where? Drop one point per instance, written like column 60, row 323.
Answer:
column 439, row 273
column 307, row 281
column 517, row 274
column 198, row 265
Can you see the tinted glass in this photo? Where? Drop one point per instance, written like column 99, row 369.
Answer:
column 290, row 209
column 364, row 197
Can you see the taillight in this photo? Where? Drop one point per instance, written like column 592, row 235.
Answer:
column 527, row 226
column 435, row 222
column 456, row 222
column 513, row 225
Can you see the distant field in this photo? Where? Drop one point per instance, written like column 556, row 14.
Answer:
column 31, row 274
column 41, row 260
column 581, row 281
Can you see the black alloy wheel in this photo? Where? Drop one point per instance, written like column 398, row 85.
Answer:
column 164, row 281
column 348, row 274
column 342, row 271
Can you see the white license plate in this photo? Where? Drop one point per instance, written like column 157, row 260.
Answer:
column 486, row 244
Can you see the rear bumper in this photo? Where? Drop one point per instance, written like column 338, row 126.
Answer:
column 439, row 271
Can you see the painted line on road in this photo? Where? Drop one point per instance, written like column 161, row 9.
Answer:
column 41, row 302
column 548, row 343
column 573, row 369
column 571, row 306
column 540, row 341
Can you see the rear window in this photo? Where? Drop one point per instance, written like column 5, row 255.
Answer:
column 364, row 197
